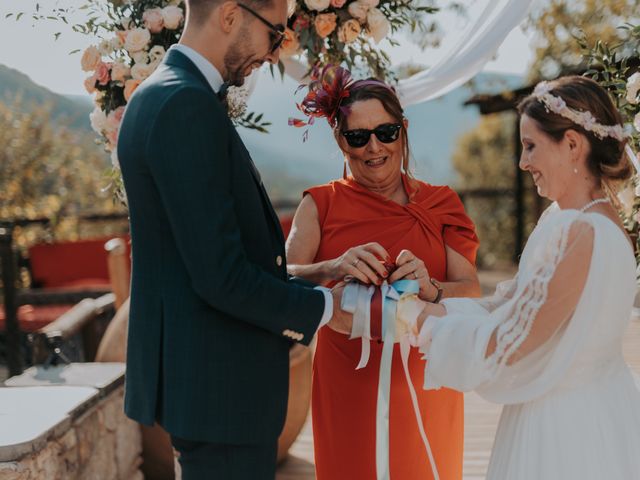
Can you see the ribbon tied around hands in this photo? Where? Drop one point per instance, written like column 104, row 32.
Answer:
column 397, row 311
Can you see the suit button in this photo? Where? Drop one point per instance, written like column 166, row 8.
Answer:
column 279, row 260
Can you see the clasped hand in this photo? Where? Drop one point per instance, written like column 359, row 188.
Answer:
column 371, row 264
column 410, row 314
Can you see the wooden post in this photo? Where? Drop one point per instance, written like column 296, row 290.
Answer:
column 118, row 264
column 9, row 277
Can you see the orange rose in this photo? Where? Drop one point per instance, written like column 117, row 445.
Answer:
column 291, row 43
column 90, row 84
column 130, row 87
column 325, row 23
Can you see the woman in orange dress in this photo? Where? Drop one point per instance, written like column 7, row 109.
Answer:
column 350, row 227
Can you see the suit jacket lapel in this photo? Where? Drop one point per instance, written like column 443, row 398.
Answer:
column 175, row 58
column 265, row 197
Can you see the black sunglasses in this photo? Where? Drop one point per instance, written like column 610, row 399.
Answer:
column 386, row 133
column 276, row 34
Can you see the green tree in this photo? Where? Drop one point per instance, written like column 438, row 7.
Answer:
column 555, row 24
column 51, row 171
column 485, row 160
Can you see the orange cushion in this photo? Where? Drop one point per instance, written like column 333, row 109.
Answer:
column 65, row 264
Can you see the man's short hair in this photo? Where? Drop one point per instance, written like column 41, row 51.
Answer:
column 199, row 10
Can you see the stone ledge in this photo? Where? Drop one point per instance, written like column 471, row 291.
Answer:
column 25, row 427
column 68, row 423
column 105, row 377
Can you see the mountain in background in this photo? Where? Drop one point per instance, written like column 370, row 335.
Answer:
column 73, row 110
column 289, row 165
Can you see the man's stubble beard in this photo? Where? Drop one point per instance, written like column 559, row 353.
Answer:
column 237, row 59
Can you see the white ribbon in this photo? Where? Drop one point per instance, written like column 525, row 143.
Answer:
column 356, row 297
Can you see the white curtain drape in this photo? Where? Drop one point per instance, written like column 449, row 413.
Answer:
column 476, row 47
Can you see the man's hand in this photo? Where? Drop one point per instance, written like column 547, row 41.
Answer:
column 341, row 321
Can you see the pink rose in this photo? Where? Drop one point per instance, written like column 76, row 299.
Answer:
column 338, row 3
column 114, row 119
column 153, row 20
column 103, row 73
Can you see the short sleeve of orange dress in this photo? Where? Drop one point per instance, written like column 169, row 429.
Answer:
column 344, row 399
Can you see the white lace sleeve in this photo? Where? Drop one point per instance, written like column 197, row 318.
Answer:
column 507, row 349
column 481, row 306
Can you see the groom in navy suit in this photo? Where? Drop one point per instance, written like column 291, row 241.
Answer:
column 213, row 312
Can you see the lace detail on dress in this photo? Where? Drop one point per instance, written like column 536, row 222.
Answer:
column 514, row 331
column 504, row 292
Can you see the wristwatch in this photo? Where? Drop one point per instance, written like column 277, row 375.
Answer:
column 436, row 284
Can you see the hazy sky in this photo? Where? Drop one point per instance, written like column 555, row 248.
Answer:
column 31, row 49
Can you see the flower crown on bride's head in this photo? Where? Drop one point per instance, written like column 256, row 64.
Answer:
column 328, row 88
column 584, row 119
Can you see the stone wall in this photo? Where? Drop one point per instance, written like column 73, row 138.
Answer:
column 92, row 440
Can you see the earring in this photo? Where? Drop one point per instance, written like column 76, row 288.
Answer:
column 575, row 170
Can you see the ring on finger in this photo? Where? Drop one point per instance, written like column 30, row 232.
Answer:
column 357, row 260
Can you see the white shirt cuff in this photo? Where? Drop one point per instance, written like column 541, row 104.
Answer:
column 328, row 306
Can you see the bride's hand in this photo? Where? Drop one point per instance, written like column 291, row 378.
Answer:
column 361, row 262
column 429, row 310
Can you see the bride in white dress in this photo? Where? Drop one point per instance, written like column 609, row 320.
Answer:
column 548, row 344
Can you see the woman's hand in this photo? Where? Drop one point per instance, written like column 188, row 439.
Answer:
column 364, row 262
column 410, row 267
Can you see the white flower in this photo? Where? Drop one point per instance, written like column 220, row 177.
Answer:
column 105, row 47
column 137, row 39
column 317, row 5
column 378, row 25
column 140, row 57
column 627, row 197
column 633, row 86
column 140, row 71
column 237, row 101
column 157, row 53
column 636, row 122
column 173, row 17
column 120, row 71
column 90, row 59
column 126, row 23
column 116, row 43
column 358, row 10
column 98, row 120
